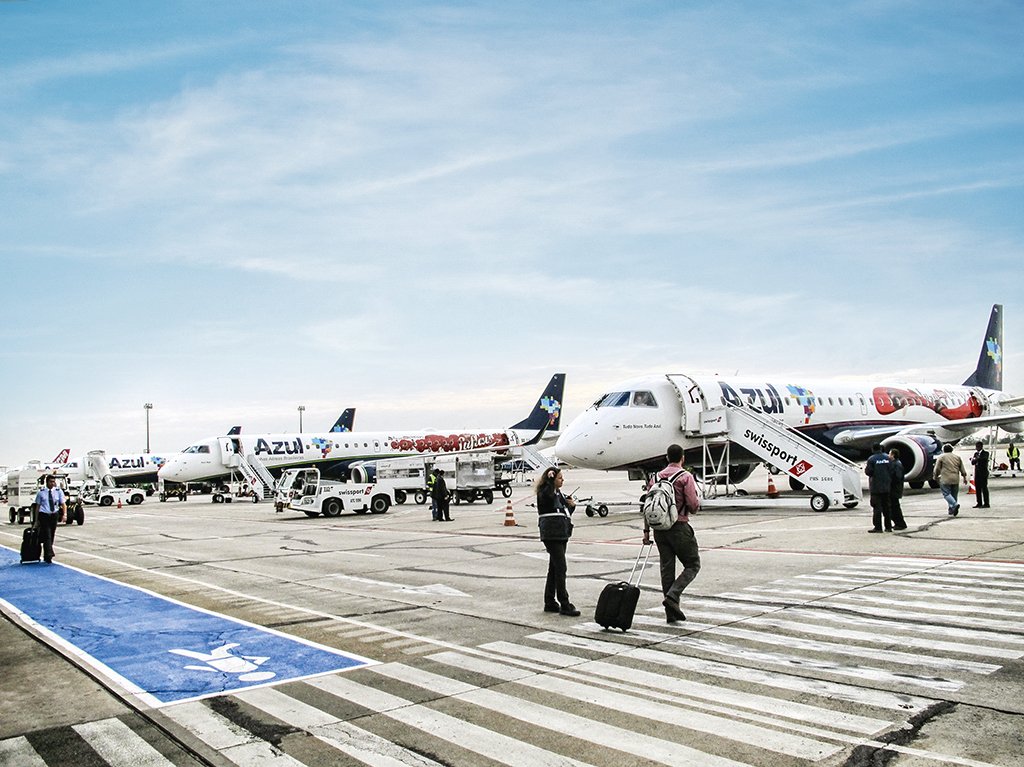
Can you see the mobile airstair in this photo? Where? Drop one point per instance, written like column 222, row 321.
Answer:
column 256, row 474
column 833, row 480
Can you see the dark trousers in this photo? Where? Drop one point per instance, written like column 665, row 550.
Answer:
column 47, row 526
column 678, row 542
column 896, row 511
column 554, row 587
column 880, row 511
column 981, row 488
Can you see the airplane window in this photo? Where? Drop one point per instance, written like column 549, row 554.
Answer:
column 615, row 399
column 830, row 400
column 644, row 399
column 203, row 449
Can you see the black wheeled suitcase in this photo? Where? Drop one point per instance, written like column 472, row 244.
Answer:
column 617, row 603
column 31, row 547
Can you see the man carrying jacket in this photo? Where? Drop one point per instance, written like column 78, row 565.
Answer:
column 947, row 467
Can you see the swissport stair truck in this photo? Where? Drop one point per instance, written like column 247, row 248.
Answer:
column 833, row 480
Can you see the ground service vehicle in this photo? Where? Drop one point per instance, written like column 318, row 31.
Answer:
column 307, row 492
column 93, row 492
column 22, row 486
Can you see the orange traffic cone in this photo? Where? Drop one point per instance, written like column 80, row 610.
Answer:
column 970, row 488
column 119, row 503
column 510, row 518
column 772, row 492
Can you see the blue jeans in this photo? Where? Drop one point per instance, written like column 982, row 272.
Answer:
column 950, row 493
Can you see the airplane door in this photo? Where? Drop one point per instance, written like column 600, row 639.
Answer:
column 691, row 400
column 227, row 452
column 862, row 401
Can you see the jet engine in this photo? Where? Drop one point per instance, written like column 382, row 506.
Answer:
column 917, row 454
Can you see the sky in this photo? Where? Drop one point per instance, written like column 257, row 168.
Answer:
column 424, row 209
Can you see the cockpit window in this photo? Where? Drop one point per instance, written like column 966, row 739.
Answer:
column 644, row 399
column 615, row 399
column 197, row 449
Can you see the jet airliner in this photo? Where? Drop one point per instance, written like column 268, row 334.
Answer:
column 333, row 453
column 629, row 427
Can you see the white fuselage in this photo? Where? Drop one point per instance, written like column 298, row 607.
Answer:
column 331, row 452
column 633, row 425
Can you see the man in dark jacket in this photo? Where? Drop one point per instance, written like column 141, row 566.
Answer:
column 980, row 461
column 896, row 492
column 440, row 496
column 879, row 469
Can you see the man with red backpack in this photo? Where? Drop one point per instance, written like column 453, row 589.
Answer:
column 678, row 541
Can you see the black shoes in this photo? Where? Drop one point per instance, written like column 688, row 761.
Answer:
column 876, row 530
column 552, row 608
column 955, row 510
column 672, row 612
column 899, row 527
column 568, row 609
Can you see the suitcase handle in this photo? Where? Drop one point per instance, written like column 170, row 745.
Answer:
column 643, row 547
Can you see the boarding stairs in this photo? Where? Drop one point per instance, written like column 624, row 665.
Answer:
column 833, row 480
column 534, row 457
column 256, row 474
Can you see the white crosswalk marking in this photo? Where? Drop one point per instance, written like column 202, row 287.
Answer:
column 118, row 744
column 18, row 752
column 471, row 737
column 235, row 743
column 346, row 738
column 601, row 733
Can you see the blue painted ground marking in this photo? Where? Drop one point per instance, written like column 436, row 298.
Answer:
column 160, row 650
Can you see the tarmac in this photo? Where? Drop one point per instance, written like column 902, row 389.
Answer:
column 459, row 586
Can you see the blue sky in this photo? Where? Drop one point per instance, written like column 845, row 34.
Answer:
column 423, row 210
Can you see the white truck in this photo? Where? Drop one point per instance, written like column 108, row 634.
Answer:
column 22, row 486
column 469, row 477
column 306, row 491
column 96, row 493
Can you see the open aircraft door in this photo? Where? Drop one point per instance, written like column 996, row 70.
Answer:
column 229, row 454
column 691, row 398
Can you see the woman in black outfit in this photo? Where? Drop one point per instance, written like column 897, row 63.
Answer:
column 554, row 516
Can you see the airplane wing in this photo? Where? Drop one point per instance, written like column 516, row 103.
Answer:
column 959, row 428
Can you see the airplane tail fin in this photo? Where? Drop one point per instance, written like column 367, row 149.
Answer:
column 346, row 421
column 234, row 430
column 62, row 456
column 547, row 413
column 989, row 373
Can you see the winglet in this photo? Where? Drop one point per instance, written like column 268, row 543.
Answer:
column 346, row 421
column 547, row 413
column 989, row 373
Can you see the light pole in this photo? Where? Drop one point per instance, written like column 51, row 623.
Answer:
column 147, row 407
column 301, row 408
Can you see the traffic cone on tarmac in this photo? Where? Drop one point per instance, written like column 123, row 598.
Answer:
column 119, row 503
column 971, row 489
column 510, row 518
column 772, row 492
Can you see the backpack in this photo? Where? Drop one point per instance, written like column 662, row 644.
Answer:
column 658, row 505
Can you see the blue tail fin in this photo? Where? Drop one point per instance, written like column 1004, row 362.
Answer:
column 346, row 421
column 547, row 413
column 234, row 430
column 989, row 373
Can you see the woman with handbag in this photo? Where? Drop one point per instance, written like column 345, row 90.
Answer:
column 554, row 517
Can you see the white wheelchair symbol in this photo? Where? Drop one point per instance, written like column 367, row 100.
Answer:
column 223, row 661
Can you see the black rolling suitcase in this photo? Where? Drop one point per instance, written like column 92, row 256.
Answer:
column 617, row 603
column 31, row 546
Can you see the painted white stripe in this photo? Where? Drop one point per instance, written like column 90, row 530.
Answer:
column 210, row 727
column 787, row 661
column 1009, row 581
column 944, row 606
column 876, row 698
column 807, row 627
column 119, row 745
column 974, row 637
column 660, row 687
column 471, row 737
column 552, row 719
column 811, row 645
column 948, row 594
column 18, row 752
column 354, row 741
column 904, row 614
column 691, row 691
column 908, row 582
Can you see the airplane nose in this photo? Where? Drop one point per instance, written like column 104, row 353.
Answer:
column 569, row 448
